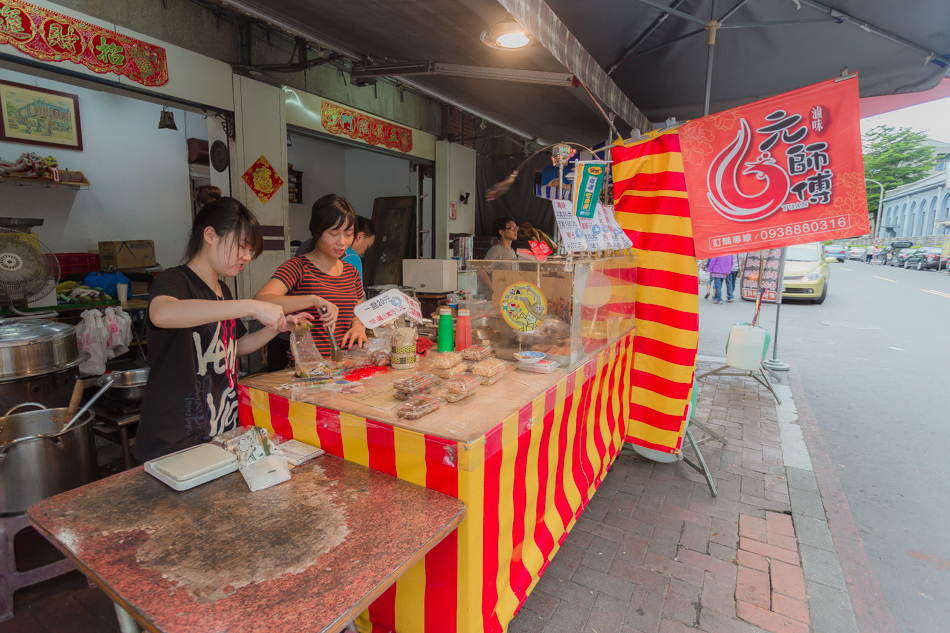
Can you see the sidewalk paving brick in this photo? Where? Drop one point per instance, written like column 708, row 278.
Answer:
column 656, row 552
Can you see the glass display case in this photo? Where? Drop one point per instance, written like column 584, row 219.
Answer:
column 568, row 310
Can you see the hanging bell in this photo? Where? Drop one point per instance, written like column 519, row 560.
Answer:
column 167, row 120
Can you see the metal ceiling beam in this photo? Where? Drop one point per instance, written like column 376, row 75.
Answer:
column 547, row 28
column 643, row 36
column 461, row 70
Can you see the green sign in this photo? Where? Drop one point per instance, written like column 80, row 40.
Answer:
column 588, row 181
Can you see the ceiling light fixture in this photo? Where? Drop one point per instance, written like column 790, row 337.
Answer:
column 507, row 35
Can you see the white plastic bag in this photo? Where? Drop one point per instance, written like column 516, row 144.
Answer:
column 93, row 337
column 119, row 326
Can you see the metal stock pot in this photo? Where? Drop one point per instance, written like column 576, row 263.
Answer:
column 39, row 460
column 39, row 362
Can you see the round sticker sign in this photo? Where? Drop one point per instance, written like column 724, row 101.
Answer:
column 523, row 306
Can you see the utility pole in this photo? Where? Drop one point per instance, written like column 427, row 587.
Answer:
column 880, row 201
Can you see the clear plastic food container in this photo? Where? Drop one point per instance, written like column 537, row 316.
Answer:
column 540, row 367
column 456, row 370
column 415, row 382
column 477, row 352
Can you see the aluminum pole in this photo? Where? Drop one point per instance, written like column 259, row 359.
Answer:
column 712, row 26
column 880, row 202
column 774, row 364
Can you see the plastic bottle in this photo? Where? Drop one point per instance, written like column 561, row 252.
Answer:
column 463, row 331
column 445, row 342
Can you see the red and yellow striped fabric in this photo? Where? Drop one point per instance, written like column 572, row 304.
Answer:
column 524, row 485
column 652, row 207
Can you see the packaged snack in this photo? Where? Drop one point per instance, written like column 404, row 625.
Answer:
column 415, row 382
column 259, row 462
column 409, row 395
column 540, row 367
column 416, row 408
column 477, row 352
column 444, row 360
column 461, row 384
column 296, row 452
column 491, row 380
column 308, row 363
column 380, row 358
column 489, row 367
column 461, row 368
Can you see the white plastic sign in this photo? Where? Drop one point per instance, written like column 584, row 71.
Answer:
column 593, row 234
column 386, row 307
column 600, row 216
column 621, row 239
column 570, row 228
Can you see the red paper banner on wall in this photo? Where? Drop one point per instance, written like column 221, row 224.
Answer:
column 339, row 120
column 54, row 37
column 785, row 170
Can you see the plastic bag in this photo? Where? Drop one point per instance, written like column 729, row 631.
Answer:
column 116, row 343
column 308, row 363
column 93, row 337
column 259, row 461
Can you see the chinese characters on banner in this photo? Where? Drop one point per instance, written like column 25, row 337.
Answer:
column 55, row 37
column 785, row 170
column 588, row 181
column 771, row 273
column 572, row 236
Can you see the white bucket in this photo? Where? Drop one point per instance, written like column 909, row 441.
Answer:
column 746, row 344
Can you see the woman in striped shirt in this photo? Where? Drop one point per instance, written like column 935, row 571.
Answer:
column 320, row 282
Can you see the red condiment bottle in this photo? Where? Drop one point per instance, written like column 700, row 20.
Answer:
column 463, row 330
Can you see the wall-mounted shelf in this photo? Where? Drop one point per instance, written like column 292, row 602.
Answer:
column 294, row 185
column 73, row 179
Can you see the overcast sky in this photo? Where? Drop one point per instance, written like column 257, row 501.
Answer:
column 932, row 117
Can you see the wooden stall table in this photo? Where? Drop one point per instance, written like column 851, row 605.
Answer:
column 305, row 555
column 525, row 455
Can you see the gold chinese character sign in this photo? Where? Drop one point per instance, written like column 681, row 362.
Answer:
column 263, row 179
column 54, row 37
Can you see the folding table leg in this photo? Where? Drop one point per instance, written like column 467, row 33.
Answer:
column 701, row 467
column 716, row 436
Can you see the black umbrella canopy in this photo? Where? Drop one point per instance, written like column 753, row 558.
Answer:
column 763, row 47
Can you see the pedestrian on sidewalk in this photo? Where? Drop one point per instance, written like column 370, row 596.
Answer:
column 736, row 267
column 720, row 268
column 704, row 277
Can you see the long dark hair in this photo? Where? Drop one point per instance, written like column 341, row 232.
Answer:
column 227, row 217
column 331, row 212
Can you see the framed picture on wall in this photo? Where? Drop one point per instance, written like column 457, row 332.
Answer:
column 36, row 116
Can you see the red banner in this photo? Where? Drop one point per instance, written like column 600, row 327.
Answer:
column 363, row 127
column 54, row 37
column 781, row 171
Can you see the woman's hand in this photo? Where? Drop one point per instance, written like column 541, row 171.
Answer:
column 270, row 315
column 330, row 312
column 294, row 319
column 355, row 335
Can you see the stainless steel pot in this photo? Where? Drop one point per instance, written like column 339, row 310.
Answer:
column 39, row 460
column 128, row 387
column 32, row 347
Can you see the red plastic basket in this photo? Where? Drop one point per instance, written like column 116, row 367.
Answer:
column 70, row 263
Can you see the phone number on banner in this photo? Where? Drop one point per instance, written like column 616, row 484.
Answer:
column 797, row 229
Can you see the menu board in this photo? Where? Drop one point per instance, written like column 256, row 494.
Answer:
column 571, row 234
column 771, row 275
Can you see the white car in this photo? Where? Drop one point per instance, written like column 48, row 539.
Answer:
column 857, row 252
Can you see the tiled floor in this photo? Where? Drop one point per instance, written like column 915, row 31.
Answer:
column 654, row 551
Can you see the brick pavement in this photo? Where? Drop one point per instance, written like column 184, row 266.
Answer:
column 655, row 552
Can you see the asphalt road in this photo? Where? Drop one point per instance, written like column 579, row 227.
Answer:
column 874, row 361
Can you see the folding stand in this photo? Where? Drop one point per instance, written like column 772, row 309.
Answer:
column 764, row 381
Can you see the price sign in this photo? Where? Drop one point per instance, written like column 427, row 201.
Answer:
column 600, row 217
column 771, row 271
column 569, row 227
column 621, row 239
column 387, row 307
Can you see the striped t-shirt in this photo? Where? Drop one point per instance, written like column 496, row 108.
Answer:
column 302, row 277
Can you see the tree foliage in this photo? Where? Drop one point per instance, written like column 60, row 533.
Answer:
column 894, row 157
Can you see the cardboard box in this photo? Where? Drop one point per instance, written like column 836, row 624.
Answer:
column 127, row 254
column 430, row 275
